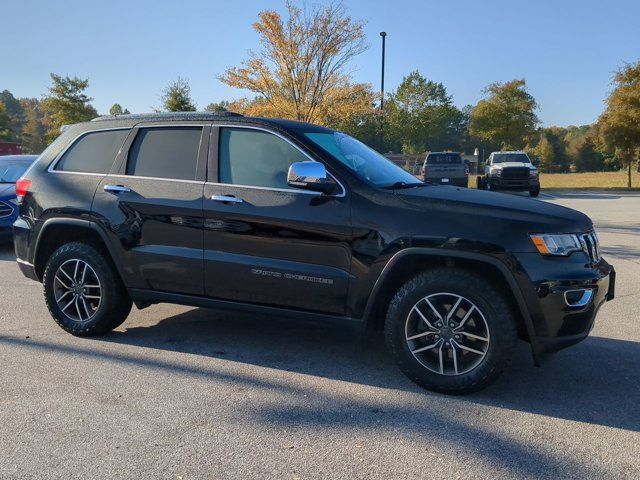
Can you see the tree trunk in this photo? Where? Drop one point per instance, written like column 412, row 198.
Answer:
column 629, row 176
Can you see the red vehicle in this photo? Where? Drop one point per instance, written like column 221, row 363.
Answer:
column 10, row 148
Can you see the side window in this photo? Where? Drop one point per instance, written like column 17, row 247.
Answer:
column 93, row 152
column 167, row 152
column 255, row 158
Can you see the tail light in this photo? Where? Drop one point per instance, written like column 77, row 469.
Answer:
column 22, row 187
column 424, row 170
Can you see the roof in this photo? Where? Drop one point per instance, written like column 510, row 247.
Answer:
column 132, row 119
column 17, row 158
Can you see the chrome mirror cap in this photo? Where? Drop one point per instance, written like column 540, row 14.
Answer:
column 310, row 176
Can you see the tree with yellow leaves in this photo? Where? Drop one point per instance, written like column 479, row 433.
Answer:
column 300, row 71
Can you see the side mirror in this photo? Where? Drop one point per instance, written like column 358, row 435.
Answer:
column 535, row 162
column 310, row 176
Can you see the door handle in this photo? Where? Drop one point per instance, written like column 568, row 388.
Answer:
column 115, row 189
column 226, row 199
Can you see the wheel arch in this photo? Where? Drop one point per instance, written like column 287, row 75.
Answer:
column 409, row 262
column 65, row 230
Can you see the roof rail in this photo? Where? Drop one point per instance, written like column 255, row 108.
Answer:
column 169, row 115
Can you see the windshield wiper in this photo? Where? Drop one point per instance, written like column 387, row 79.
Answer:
column 400, row 185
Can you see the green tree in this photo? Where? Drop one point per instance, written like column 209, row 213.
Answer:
column 33, row 130
column 506, row 116
column 177, row 97
column 16, row 114
column 586, row 157
column 619, row 124
column 5, row 123
column 420, row 116
column 116, row 109
column 66, row 104
column 222, row 106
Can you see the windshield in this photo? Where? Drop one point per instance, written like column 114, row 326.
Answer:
column 444, row 158
column 12, row 172
column 362, row 160
column 510, row 157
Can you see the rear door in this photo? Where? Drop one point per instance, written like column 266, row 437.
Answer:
column 151, row 204
column 264, row 241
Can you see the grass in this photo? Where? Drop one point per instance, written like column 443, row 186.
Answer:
column 590, row 180
column 584, row 181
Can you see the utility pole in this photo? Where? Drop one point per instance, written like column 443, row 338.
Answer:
column 383, row 35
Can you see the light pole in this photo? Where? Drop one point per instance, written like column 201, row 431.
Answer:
column 383, row 35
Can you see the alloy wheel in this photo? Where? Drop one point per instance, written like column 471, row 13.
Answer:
column 77, row 290
column 447, row 333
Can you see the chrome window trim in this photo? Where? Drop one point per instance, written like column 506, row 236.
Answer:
column 291, row 190
column 287, row 190
column 117, row 175
column 56, row 160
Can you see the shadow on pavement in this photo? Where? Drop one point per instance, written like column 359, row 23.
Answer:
column 593, row 382
column 7, row 253
column 597, row 385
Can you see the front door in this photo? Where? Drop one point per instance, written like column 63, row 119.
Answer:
column 152, row 205
column 265, row 242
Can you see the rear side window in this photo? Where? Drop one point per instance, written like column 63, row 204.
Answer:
column 443, row 158
column 170, row 152
column 94, row 152
column 256, row 158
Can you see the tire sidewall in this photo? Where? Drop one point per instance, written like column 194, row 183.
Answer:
column 94, row 259
column 501, row 331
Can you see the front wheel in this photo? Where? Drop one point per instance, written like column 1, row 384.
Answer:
column 534, row 191
column 450, row 331
column 84, row 294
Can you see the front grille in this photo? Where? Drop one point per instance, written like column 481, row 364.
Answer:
column 515, row 173
column 591, row 246
column 5, row 209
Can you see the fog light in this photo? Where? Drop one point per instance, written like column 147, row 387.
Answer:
column 578, row 298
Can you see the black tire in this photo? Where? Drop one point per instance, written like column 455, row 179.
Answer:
column 114, row 305
column 500, row 324
column 535, row 191
column 480, row 182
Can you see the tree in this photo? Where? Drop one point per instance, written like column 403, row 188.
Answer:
column 619, row 124
column 66, row 104
column 420, row 116
column 16, row 114
column 177, row 97
column 33, row 130
column 5, row 123
column 222, row 106
column 506, row 116
column 300, row 71
column 116, row 109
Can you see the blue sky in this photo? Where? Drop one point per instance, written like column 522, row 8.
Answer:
column 130, row 50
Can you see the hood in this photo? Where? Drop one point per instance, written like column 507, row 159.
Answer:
column 480, row 208
column 7, row 190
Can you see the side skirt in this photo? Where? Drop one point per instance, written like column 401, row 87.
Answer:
column 143, row 298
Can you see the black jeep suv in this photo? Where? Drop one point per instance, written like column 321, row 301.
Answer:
column 294, row 219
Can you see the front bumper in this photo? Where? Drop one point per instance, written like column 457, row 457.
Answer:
column 559, row 322
column 513, row 184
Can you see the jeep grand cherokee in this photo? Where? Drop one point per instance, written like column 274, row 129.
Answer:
column 293, row 219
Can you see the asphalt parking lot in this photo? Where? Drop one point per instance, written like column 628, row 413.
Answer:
column 187, row 393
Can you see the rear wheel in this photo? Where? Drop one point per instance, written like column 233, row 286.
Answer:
column 84, row 294
column 480, row 182
column 450, row 331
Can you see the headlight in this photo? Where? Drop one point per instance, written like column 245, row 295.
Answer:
column 559, row 245
column 496, row 171
column 533, row 173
